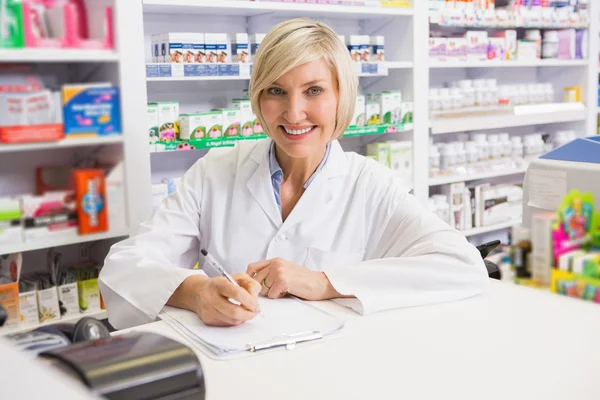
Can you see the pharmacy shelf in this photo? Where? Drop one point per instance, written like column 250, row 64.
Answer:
column 102, row 314
column 280, row 9
column 444, row 180
column 505, row 120
column 491, row 228
column 61, row 144
column 57, row 55
column 60, row 241
column 436, row 64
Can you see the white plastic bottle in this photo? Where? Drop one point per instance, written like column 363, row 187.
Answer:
column 495, row 149
column 548, row 93
column 445, row 99
column 506, row 147
column 483, row 151
column 492, row 93
column 434, row 160
column 472, row 155
column 442, row 207
column 561, row 138
column 435, row 103
column 480, row 93
column 517, row 150
column 448, row 159
column 468, row 93
column 461, row 158
column 457, row 99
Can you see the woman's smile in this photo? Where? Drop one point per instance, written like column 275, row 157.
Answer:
column 295, row 132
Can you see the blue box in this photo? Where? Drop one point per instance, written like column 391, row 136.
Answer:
column 90, row 110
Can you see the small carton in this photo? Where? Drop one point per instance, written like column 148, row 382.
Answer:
column 496, row 49
column 240, row 48
column 353, row 43
column 255, row 41
column 48, row 307
column 175, row 42
column 89, row 295
column 438, row 48
column 9, row 300
column 457, row 49
column 477, row 44
column 231, row 122
column 208, row 125
column 359, row 119
column 223, row 53
column 199, row 48
column 246, row 116
column 378, row 48
column 90, row 192
column 386, row 106
column 168, row 120
column 373, row 111
column 406, row 108
column 365, row 48
column 152, row 113
column 401, row 161
column 210, row 45
column 68, row 299
column 396, row 102
column 187, row 48
column 380, row 152
column 52, row 214
column 28, row 307
column 510, row 43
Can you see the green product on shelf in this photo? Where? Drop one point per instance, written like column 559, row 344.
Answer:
column 11, row 25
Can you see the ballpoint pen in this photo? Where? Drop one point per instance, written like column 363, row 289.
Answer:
column 217, row 267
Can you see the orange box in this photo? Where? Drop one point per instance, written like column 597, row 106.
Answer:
column 9, row 299
column 90, row 191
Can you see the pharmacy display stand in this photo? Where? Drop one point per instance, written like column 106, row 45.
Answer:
column 120, row 66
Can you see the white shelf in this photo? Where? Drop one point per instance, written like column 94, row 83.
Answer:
column 492, row 228
column 57, row 55
column 444, row 180
column 72, row 319
column 92, row 141
column 248, row 8
column 435, row 64
column 60, row 241
column 505, row 120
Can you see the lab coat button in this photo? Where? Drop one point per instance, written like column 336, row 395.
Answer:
column 280, row 238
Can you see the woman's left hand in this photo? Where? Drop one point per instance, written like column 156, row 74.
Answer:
column 279, row 277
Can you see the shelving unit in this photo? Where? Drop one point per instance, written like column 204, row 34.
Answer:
column 444, row 180
column 508, row 64
column 58, row 55
column 4, row 331
column 491, row 228
column 61, row 144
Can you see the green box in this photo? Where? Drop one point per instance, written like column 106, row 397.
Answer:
column 12, row 17
column 89, row 295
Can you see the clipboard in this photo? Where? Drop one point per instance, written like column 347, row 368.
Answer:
column 287, row 323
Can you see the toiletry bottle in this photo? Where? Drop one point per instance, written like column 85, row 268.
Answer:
column 434, row 160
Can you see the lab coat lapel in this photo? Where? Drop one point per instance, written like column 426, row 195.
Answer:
column 259, row 183
column 322, row 190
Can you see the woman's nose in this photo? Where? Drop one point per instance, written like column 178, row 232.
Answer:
column 295, row 112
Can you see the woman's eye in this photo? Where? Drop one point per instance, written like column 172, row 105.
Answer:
column 314, row 91
column 275, row 91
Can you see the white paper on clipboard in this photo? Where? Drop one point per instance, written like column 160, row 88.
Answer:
column 546, row 188
column 284, row 318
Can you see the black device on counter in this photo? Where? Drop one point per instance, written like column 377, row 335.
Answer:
column 138, row 365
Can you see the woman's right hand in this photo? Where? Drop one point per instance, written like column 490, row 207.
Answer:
column 208, row 298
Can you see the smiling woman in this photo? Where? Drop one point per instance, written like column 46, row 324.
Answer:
column 292, row 214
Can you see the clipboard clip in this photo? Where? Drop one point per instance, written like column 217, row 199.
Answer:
column 287, row 341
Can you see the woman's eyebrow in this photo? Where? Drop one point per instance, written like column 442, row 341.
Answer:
column 304, row 84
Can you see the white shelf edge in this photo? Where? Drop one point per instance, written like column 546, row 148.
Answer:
column 434, row 64
column 60, row 241
column 102, row 314
column 444, row 180
column 57, row 55
column 254, row 7
column 507, row 120
column 65, row 143
column 491, row 228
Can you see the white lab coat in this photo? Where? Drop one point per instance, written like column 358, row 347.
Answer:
column 355, row 222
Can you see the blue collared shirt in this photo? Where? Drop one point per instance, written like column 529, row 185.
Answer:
column 277, row 172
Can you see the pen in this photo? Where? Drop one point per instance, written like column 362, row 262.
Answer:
column 217, row 267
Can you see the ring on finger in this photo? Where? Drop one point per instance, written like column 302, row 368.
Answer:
column 264, row 284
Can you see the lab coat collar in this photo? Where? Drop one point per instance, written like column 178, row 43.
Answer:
column 321, row 191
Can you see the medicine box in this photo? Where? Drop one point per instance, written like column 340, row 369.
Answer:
column 89, row 295
column 240, row 48
column 365, row 48
column 438, row 48
column 168, row 120
column 359, row 119
column 457, row 49
column 373, row 110
column 152, row 113
column 496, row 49
column 199, row 48
column 9, row 300
column 210, row 46
column 378, row 48
column 223, row 51
column 90, row 192
column 231, row 122
column 68, row 299
column 197, row 126
column 48, row 307
column 246, row 116
column 52, row 214
column 386, row 106
column 380, row 152
column 353, row 43
column 28, row 307
column 477, row 45
column 91, row 110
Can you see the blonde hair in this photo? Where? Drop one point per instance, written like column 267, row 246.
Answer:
column 296, row 42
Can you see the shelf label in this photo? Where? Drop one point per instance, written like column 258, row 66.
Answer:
column 194, row 70
column 229, row 70
column 369, row 68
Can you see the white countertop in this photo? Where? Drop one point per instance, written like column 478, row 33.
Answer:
column 509, row 343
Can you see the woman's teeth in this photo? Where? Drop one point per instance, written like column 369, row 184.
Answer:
column 297, row 131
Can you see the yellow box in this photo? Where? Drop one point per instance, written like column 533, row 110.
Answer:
column 89, row 295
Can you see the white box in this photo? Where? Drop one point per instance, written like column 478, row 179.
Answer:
column 401, row 161
column 246, row 116
column 48, row 307
column 477, row 44
column 438, row 48
column 359, row 119
column 457, row 49
column 29, row 308
column 199, row 48
column 373, row 113
column 168, row 117
column 353, row 42
column 210, row 46
column 240, row 49
column 501, row 203
column 68, row 299
column 255, row 41
column 175, row 42
column 223, row 48
column 152, row 114
column 378, row 48
column 455, row 193
column 365, row 48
